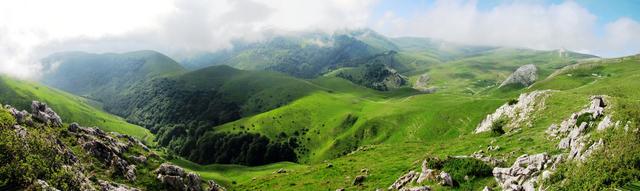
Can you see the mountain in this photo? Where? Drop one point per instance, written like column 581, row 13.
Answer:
column 101, row 76
column 19, row 94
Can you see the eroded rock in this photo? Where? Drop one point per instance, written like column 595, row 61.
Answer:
column 45, row 114
column 404, row 180
column 516, row 114
column 524, row 75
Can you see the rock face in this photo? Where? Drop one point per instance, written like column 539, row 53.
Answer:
column 523, row 174
column 515, row 114
column 45, row 114
column 573, row 136
column 106, row 148
column 177, row 178
column 525, row 75
column 404, row 180
column 422, row 84
column 445, row 179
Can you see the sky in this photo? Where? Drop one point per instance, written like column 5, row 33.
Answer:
column 33, row 29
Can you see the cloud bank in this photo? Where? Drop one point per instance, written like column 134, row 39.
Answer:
column 32, row 29
column 518, row 24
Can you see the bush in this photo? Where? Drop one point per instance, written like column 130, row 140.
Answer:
column 497, row 127
column 458, row 168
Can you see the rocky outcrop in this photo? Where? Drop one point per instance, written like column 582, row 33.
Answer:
column 177, row 178
column 445, row 179
column 43, row 113
column 420, row 188
column 111, row 186
column 105, row 148
column 515, row 114
column 426, row 173
column 43, row 186
column 524, row 75
column 573, row 136
column 22, row 117
column 422, row 84
column 523, row 174
column 404, row 180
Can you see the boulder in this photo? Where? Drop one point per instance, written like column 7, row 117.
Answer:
column 359, row 180
column 426, row 173
column 43, row 185
column 111, row 186
column 524, row 172
column 420, row 188
column 445, row 179
column 177, row 179
column 213, row 186
column 404, row 180
column 524, row 75
column 516, row 114
column 43, row 113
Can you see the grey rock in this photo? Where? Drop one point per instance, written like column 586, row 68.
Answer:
column 44, row 186
column 111, row 186
column 404, row 180
column 213, row 186
column 177, row 179
column 445, row 179
column 45, row 114
column 420, row 188
column 517, row 114
column 524, row 75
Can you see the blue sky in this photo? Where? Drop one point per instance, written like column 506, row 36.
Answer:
column 605, row 11
column 604, row 28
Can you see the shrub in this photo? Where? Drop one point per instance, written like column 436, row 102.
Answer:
column 497, row 127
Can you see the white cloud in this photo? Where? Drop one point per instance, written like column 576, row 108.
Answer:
column 31, row 29
column 517, row 24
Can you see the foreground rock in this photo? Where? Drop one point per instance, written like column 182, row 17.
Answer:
column 45, row 114
column 177, row 178
column 524, row 173
column 524, row 75
column 515, row 115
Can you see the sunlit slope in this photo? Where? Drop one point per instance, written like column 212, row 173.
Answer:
column 71, row 108
column 446, row 130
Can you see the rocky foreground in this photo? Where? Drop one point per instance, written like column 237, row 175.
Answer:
column 81, row 158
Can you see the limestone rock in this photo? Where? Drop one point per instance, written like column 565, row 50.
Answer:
column 524, row 75
column 517, row 114
column 426, row 173
column 110, row 186
column 177, row 179
column 404, row 180
column 420, row 188
column 445, row 179
column 43, row 185
column 45, row 114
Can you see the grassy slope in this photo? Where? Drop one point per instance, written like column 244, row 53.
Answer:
column 409, row 129
column 71, row 108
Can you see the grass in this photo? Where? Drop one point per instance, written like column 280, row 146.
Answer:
column 389, row 136
column 71, row 108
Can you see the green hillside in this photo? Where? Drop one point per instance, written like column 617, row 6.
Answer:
column 71, row 108
column 389, row 137
column 102, row 76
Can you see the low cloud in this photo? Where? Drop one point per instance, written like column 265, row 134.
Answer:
column 31, row 29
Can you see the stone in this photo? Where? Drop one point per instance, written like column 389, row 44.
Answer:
column 486, row 188
column 177, row 179
column 420, row 188
column 43, row 185
column 445, row 179
column 523, row 173
column 403, row 180
column 359, row 180
column 280, row 171
column 517, row 114
column 213, row 186
column 140, row 159
column 110, row 186
column 524, row 75
column 605, row 123
column 45, row 114
column 426, row 173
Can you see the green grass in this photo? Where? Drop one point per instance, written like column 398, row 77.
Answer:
column 71, row 108
column 390, row 135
